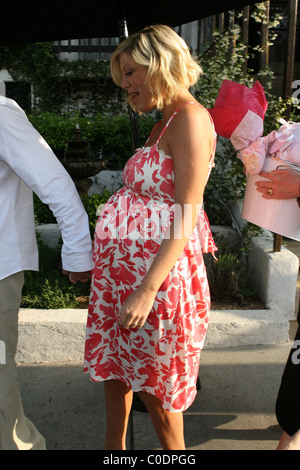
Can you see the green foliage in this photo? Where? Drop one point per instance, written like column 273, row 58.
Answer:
column 109, row 134
column 50, row 294
column 223, row 276
column 86, row 87
column 61, row 86
column 229, row 278
column 35, row 64
column 221, row 62
column 55, row 129
column 92, row 204
column 49, row 288
column 227, row 180
column 42, row 212
column 226, row 184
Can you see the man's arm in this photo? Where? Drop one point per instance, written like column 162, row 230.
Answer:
column 30, row 157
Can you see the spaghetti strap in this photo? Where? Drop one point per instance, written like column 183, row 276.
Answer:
column 153, row 130
column 172, row 117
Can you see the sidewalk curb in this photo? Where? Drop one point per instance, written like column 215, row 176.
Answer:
column 59, row 335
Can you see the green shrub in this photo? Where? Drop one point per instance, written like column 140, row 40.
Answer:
column 55, row 129
column 229, row 279
column 42, row 212
column 109, row 134
column 49, row 288
column 91, row 205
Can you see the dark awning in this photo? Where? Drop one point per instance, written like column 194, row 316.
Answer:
column 35, row 20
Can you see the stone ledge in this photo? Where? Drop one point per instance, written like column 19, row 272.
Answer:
column 58, row 335
column 51, row 335
column 233, row 328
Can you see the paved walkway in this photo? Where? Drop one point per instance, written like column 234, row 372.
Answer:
column 234, row 410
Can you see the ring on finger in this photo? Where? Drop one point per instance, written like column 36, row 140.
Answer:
column 270, row 191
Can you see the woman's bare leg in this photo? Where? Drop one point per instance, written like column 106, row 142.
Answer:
column 168, row 426
column 118, row 405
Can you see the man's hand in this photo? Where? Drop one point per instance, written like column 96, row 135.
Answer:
column 75, row 277
column 281, row 184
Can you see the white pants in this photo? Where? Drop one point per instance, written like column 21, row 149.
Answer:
column 16, row 431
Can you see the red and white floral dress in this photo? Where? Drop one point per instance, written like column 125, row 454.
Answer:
column 162, row 358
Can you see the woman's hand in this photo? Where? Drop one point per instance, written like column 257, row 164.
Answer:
column 136, row 308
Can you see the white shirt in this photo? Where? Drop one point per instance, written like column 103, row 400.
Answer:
column 28, row 164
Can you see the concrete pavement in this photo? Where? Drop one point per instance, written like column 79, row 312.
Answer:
column 234, row 410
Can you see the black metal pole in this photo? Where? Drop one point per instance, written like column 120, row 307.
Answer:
column 132, row 115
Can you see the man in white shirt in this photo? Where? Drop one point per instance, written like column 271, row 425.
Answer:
column 28, row 164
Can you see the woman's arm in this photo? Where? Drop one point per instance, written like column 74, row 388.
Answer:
column 190, row 141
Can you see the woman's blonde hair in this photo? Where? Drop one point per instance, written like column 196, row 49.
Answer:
column 171, row 66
